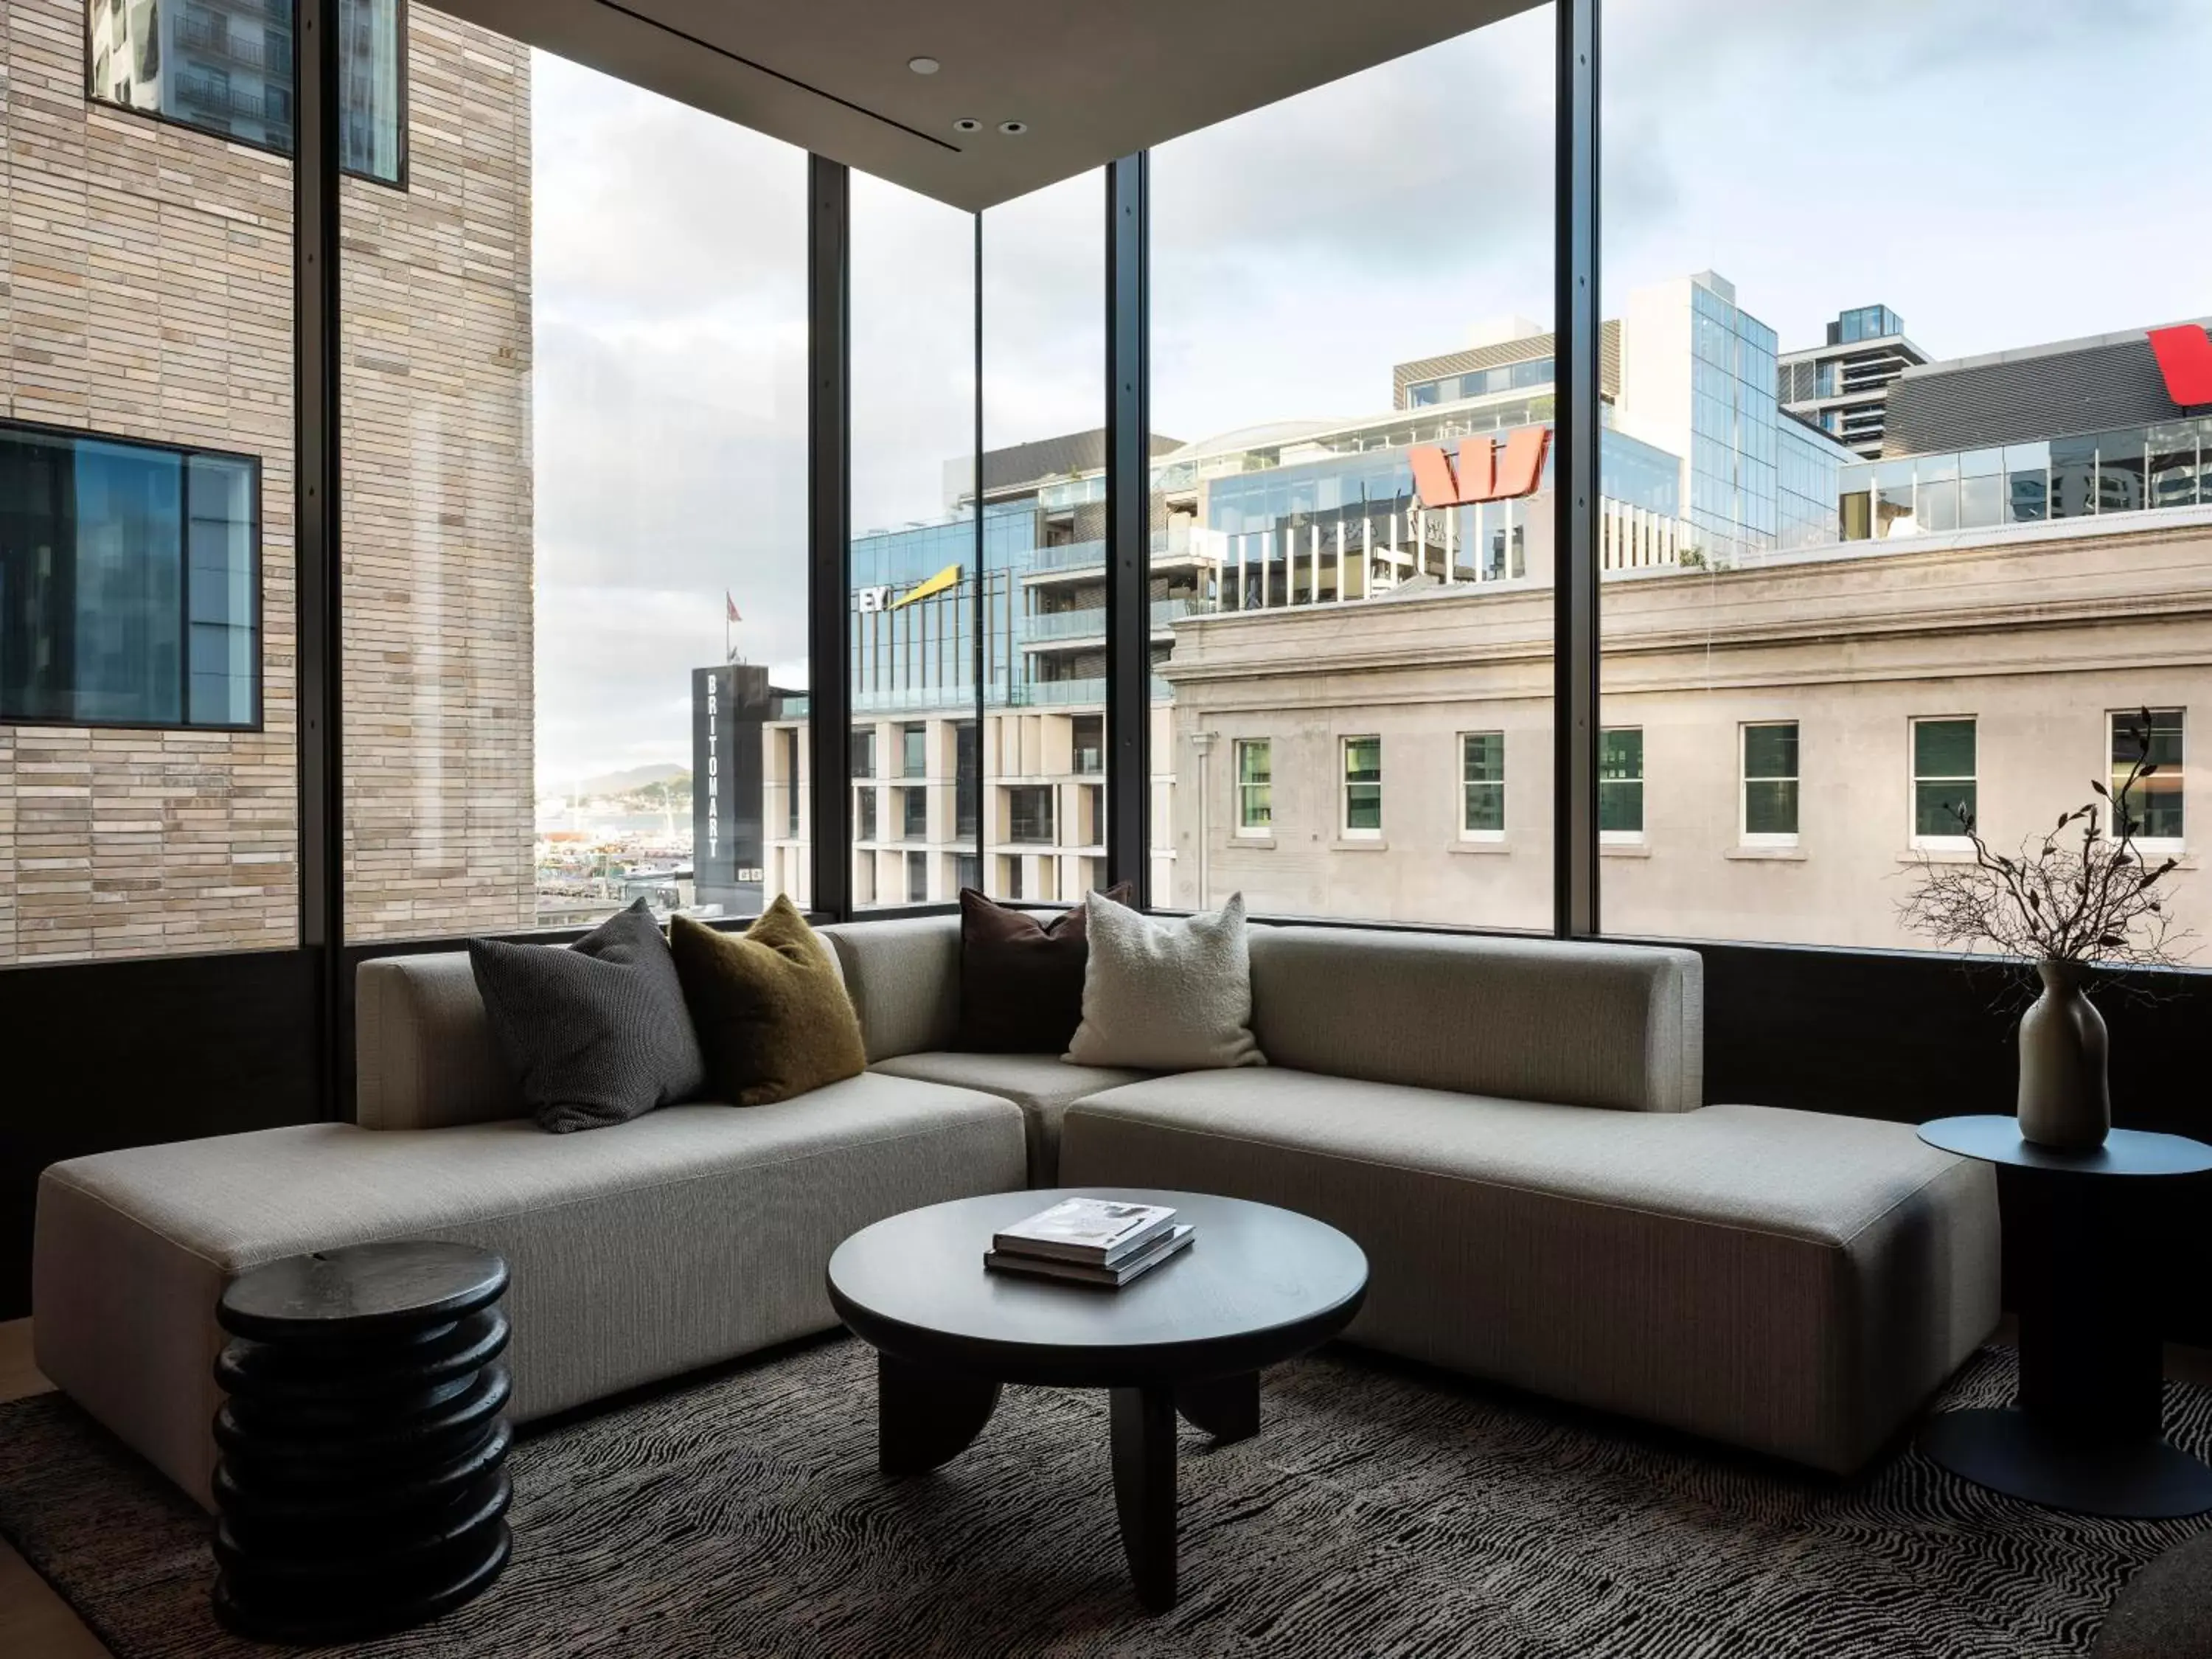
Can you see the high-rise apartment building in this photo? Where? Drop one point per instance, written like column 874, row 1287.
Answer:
column 148, row 750
column 1842, row 385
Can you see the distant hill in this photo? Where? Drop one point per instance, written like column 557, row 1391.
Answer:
column 623, row 783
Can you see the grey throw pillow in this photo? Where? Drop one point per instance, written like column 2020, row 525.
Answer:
column 595, row 1032
column 1166, row 993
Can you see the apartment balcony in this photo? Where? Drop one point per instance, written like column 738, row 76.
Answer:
column 1085, row 629
column 1076, row 562
column 1076, row 694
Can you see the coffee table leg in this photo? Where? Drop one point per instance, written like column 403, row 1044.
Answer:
column 1226, row 1407
column 925, row 1417
column 1144, row 1490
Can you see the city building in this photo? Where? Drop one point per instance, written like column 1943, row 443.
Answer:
column 1842, row 386
column 1785, row 730
column 148, row 783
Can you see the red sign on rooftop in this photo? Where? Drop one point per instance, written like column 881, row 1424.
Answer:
column 1483, row 474
column 2184, row 357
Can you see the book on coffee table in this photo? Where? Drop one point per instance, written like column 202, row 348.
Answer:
column 1094, row 1232
column 1163, row 1245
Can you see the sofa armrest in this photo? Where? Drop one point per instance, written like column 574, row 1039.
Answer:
column 904, row 980
column 424, row 1055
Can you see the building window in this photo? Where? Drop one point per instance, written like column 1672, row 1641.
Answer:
column 1010, row 886
column 914, row 751
column 1621, row 784
column 2154, row 803
column 1089, row 736
column 864, row 815
column 1029, row 813
column 230, row 74
column 1255, row 787
column 967, row 871
column 1482, row 785
column 788, row 736
column 917, row 878
column 914, row 820
column 864, row 752
column 1363, row 789
column 1942, row 779
column 1770, row 784
column 130, row 583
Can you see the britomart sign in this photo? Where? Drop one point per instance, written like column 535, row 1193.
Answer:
column 1487, row 470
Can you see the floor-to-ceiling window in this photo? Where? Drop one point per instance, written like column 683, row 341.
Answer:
column 1351, row 297
column 574, row 587
column 1942, row 509
column 913, row 566
column 1044, row 549
column 148, row 795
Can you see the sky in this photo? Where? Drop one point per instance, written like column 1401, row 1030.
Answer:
column 2002, row 173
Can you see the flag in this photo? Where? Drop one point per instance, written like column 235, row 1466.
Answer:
column 732, row 604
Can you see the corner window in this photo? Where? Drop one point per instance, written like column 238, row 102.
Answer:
column 864, row 814
column 2154, row 802
column 1087, row 737
column 1943, row 786
column 228, row 70
column 914, row 820
column 1621, row 784
column 914, row 751
column 1255, row 787
column 1482, row 785
column 864, row 752
column 1770, row 784
column 1363, row 789
column 130, row 583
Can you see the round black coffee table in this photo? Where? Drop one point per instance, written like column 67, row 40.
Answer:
column 2087, row 1435
column 1257, row 1285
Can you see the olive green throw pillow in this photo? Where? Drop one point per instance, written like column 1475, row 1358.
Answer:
column 773, row 1018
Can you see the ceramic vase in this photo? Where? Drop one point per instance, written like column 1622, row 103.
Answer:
column 2064, row 1100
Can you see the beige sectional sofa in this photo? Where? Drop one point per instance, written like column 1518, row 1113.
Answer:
column 1512, row 1131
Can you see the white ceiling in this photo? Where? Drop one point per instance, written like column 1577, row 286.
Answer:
column 1093, row 79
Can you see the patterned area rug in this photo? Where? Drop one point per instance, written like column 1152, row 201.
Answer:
column 1381, row 1510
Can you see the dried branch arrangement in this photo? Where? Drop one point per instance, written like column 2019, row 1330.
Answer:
column 2075, row 893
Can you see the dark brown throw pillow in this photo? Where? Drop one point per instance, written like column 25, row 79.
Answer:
column 773, row 1018
column 1021, row 975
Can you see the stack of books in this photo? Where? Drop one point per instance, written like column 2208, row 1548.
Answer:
column 1090, row 1241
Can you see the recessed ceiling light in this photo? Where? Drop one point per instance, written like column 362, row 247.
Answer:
column 922, row 65
column 1013, row 129
column 967, row 124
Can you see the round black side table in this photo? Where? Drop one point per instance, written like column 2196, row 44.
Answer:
column 362, row 1487
column 2087, row 1435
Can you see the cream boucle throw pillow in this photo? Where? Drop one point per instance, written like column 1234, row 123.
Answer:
column 1166, row 993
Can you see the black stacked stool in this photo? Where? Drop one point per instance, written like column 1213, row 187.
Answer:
column 362, row 1484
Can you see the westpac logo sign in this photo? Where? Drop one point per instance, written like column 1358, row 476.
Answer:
column 1487, row 471
column 2184, row 357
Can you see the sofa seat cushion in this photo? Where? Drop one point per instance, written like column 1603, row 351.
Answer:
column 1043, row 1085
column 692, row 1234
column 1796, row 1282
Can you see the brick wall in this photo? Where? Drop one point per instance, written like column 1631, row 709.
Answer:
column 145, row 292
column 436, row 411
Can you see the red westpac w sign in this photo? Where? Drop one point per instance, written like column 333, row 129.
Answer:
column 2184, row 357
column 1484, row 473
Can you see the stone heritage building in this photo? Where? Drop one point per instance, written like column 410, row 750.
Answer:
column 145, row 295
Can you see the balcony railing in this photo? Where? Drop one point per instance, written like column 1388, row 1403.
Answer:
column 1090, row 623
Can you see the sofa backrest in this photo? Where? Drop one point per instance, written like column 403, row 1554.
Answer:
column 1577, row 1024
column 424, row 1056
column 903, row 976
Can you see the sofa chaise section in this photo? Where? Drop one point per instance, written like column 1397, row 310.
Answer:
column 1512, row 1132
column 691, row 1234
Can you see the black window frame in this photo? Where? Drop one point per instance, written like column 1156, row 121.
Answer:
column 184, row 453
column 96, row 98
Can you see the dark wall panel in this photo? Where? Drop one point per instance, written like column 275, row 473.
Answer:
column 105, row 1054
